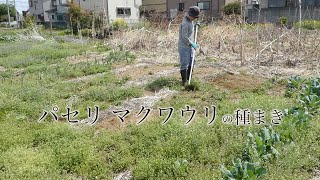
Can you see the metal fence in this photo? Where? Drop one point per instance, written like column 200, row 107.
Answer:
column 272, row 15
column 57, row 25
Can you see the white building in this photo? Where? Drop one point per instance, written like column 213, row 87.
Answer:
column 114, row 9
column 56, row 10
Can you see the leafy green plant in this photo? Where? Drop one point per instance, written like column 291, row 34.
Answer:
column 8, row 38
column 294, row 84
column 283, row 21
column 232, row 8
column 298, row 115
column 307, row 93
column 119, row 24
column 308, row 24
column 262, row 144
column 122, row 55
column 243, row 170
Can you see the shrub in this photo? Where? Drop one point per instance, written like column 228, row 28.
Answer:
column 79, row 15
column 308, row 24
column 283, row 21
column 29, row 21
column 86, row 32
column 119, row 24
column 67, row 32
column 232, row 8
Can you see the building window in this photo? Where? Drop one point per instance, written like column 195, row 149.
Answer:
column 309, row 3
column 181, row 6
column 52, row 17
column 30, row 3
column 60, row 17
column 291, row 3
column 124, row 11
column 204, row 5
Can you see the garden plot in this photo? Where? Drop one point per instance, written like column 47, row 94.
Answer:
column 139, row 68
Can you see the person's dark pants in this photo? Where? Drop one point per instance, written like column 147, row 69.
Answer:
column 185, row 54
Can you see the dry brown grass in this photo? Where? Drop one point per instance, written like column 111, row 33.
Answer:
column 265, row 45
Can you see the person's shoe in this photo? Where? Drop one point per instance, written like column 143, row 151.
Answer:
column 188, row 73
column 184, row 76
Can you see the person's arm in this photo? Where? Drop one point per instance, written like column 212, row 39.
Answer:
column 185, row 34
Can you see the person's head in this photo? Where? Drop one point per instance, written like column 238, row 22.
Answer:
column 193, row 12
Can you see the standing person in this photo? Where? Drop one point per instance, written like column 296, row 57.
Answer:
column 186, row 41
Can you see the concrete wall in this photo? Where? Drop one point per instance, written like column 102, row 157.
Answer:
column 62, row 9
column 46, row 6
column 264, row 4
column 231, row 1
column 216, row 6
column 134, row 5
column 93, row 5
column 110, row 7
column 37, row 9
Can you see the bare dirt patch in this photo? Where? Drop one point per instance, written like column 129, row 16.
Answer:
column 2, row 69
column 238, row 81
column 109, row 120
column 277, row 90
column 317, row 175
column 142, row 71
column 112, row 122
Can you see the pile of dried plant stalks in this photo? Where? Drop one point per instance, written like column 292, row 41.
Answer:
column 263, row 44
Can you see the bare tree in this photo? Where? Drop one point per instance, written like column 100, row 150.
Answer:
column 299, row 26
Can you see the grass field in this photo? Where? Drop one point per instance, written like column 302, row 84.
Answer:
column 36, row 76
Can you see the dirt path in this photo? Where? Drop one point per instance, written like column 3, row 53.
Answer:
column 2, row 69
column 317, row 175
column 223, row 73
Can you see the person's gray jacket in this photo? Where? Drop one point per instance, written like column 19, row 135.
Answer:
column 186, row 33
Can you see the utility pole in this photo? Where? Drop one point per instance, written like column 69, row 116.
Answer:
column 50, row 24
column 14, row 1
column 8, row 8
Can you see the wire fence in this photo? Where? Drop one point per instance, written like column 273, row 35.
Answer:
column 272, row 15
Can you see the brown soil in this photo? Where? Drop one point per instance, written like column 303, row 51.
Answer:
column 114, row 123
column 139, row 72
column 238, row 81
column 277, row 90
